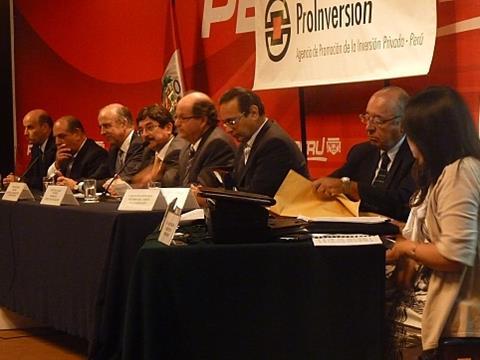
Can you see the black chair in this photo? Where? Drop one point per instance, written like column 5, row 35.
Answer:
column 459, row 349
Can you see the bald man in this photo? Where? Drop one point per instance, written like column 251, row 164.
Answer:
column 38, row 130
column 377, row 172
column 126, row 154
column 210, row 147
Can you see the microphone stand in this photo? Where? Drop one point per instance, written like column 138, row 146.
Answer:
column 117, row 174
column 34, row 161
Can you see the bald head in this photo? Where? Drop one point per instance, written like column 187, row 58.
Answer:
column 38, row 126
column 115, row 122
column 387, row 107
column 394, row 97
column 194, row 115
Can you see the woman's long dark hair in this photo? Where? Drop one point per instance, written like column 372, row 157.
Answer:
column 438, row 122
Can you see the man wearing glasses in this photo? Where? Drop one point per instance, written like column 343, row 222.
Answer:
column 266, row 152
column 377, row 172
column 157, row 128
column 210, row 147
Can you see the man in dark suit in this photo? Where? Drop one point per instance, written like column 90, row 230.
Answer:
column 125, row 157
column 267, row 152
column 77, row 157
column 377, row 172
column 210, row 147
column 38, row 130
column 156, row 125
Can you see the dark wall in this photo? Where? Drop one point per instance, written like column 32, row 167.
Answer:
column 6, row 99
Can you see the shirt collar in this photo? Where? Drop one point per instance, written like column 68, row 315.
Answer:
column 163, row 151
column 126, row 143
column 250, row 141
column 394, row 150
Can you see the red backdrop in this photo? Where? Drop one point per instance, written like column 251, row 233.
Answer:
column 74, row 57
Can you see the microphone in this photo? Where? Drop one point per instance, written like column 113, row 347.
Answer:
column 117, row 174
column 34, row 161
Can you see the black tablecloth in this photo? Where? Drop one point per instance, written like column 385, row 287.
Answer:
column 257, row 301
column 68, row 267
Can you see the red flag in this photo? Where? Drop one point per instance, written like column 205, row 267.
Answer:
column 172, row 79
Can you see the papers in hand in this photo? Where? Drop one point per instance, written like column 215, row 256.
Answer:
column 345, row 239
column 297, row 197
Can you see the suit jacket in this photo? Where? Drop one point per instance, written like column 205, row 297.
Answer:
column 89, row 163
column 392, row 199
column 216, row 150
column 170, row 166
column 133, row 161
column 38, row 166
column 272, row 155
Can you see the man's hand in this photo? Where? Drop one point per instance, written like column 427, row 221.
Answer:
column 64, row 153
column 9, row 179
column 62, row 180
column 328, row 187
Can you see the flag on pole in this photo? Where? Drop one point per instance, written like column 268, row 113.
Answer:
column 172, row 79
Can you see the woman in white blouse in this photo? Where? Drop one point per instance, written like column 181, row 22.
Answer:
column 442, row 233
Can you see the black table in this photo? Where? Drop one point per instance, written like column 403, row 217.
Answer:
column 68, row 267
column 256, row 301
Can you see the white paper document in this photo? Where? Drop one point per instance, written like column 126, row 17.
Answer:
column 353, row 220
column 345, row 239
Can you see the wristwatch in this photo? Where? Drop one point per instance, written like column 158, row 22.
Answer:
column 345, row 184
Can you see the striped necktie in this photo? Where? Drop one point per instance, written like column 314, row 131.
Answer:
column 382, row 172
column 191, row 155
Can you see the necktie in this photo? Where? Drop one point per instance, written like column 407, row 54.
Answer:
column 119, row 160
column 157, row 163
column 68, row 170
column 246, row 153
column 191, row 155
column 382, row 172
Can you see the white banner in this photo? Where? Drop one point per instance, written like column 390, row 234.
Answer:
column 315, row 42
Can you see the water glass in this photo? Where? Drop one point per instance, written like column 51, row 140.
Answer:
column 47, row 181
column 154, row 185
column 90, row 190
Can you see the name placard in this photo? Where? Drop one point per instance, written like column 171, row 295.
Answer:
column 184, row 196
column 18, row 191
column 142, row 200
column 157, row 199
column 57, row 195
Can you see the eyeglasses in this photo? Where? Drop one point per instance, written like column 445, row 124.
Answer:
column 183, row 118
column 233, row 120
column 376, row 120
column 148, row 129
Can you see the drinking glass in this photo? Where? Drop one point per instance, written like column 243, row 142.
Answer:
column 46, row 182
column 90, row 190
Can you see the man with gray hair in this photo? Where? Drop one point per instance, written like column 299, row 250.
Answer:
column 125, row 157
column 377, row 172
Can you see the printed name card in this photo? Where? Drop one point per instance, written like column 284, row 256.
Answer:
column 169, row 224
column 142, row 200
column 157, row 199
column 184, row 196
column 18, row 191
column 57, row 195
